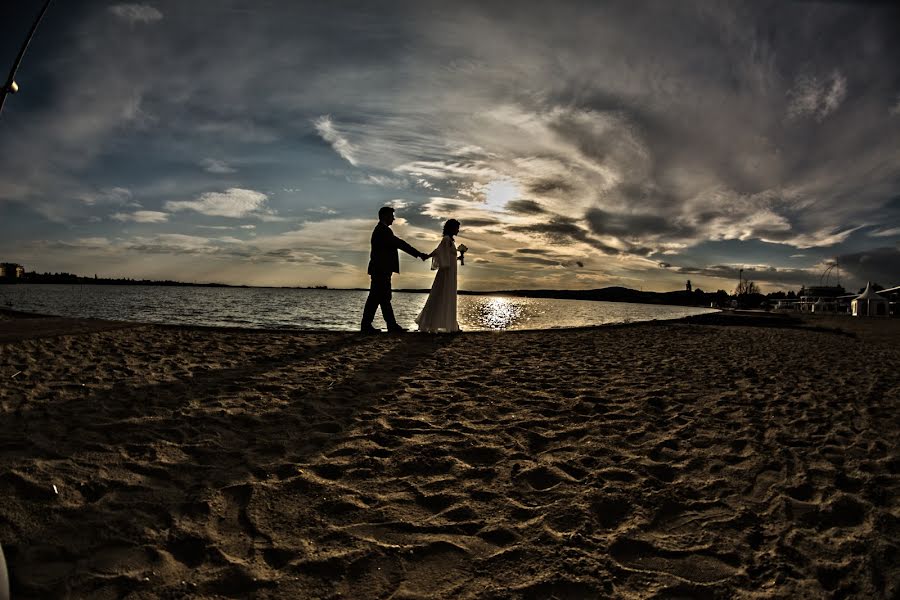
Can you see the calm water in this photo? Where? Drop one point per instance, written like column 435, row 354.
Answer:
column 312, row 309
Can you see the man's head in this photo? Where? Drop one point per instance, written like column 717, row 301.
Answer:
column 386, row 214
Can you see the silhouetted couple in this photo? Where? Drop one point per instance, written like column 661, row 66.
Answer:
column 439, row 313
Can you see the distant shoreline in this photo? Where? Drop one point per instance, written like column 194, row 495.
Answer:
column 608, row 294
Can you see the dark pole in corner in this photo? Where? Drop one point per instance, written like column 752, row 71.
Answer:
column 10, row 86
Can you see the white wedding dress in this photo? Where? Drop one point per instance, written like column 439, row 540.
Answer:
column 439, row 313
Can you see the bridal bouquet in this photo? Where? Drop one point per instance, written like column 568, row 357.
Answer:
column 462, row 253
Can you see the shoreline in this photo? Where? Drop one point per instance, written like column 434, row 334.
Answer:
column 654, row 459
column 25, row 318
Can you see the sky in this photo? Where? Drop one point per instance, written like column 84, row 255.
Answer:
column 581, row 144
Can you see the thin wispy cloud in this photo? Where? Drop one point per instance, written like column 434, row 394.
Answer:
column 323, row 210
column 114, row 196
column 136, row 13
column 892, row 232
column 141, row 216
column 330, row 134
column 817, row 96
column 213, row 165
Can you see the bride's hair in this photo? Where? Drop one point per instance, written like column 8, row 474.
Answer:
column 451, row 227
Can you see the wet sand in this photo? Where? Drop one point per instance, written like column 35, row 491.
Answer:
column 725, row 457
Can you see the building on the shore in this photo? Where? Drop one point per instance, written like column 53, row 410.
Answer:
column 10, row 271
column 870, row 304
column 824, row 299
column 893, row 296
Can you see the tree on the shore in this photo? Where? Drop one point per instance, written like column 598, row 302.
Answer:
column 748, row 295
column 746, row 288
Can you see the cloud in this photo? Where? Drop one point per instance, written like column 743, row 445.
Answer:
column 324, row 210
column 380, row 180
column 211, row 165
column 777, row 277
column 822, row 238
column 562, row 231
column 525, row 207
column 643, row 147
column 141, row 216
column 880, row 265
column 885, row 232
column 468, row 213
column 235, row 203
column 817, row 96
column 537, row 260
column 327, row 130
column 117, row 196
column 398, row 203
column 136, row 13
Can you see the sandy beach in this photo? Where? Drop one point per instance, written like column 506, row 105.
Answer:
column 725, row 457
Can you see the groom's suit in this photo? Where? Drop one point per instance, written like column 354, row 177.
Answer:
column 384, row 261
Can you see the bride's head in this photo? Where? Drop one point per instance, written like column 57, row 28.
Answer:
column 451, row 227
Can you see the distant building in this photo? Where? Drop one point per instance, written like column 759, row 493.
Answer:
column 9, row 271
column 824, row 299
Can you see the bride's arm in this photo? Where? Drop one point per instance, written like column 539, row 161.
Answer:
column 442, row 255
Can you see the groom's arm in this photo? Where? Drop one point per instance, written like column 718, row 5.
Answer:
column 400, row 244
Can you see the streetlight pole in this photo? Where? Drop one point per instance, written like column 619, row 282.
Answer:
column 11, row 87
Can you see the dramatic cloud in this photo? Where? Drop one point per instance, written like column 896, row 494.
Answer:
column 235, row 203
column 612, row 135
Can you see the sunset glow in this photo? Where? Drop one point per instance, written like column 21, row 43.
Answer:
column 581, row 145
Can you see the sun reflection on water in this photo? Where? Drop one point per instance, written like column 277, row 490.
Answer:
column 495, row 312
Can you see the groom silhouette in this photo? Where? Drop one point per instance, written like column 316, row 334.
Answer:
column 383, row 263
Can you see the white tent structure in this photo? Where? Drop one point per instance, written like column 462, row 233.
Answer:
column 869, row 304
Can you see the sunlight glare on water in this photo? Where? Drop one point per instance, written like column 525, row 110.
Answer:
column 494, row 312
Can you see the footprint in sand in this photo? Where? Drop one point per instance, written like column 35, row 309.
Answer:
column 691, row 566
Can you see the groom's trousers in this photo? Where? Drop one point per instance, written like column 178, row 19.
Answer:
column 379, row 295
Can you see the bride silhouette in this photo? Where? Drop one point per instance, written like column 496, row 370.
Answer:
column 439, row 313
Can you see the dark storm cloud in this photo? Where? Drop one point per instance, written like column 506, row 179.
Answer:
column 525, row 207
column 476, row 222
column 635, row 225
column 538, row 261
column 545, row 187
column 533, row 251
column 564, row 232
column 879, row 265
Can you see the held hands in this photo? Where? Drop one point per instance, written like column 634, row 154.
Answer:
column 423, row 256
